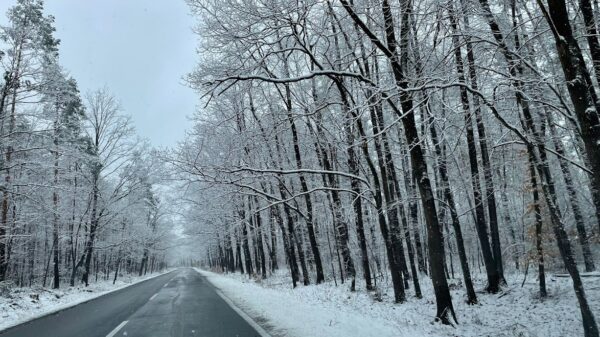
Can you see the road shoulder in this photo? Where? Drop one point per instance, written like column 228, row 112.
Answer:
column 260, row 324
column 24, row 305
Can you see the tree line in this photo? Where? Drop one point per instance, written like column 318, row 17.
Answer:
column 374, row 141
column 78, row 188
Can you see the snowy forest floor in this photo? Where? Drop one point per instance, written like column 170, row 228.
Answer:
column 327, row 310
column 20, row 305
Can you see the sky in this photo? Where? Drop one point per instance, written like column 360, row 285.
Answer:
column 138, row 49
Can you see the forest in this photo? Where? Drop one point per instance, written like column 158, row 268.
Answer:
column 79, row 198
column 401, row 143
column 418, row 151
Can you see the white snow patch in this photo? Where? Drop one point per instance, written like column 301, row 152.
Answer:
column 21, row 305
column 327, row 310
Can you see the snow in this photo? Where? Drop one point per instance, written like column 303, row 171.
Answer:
column 327, row 310
column 20, row 305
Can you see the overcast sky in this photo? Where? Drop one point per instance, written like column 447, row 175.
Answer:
column 139, row 49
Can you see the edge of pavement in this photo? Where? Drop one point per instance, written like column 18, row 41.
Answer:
column 73, row 304
column 251, row 321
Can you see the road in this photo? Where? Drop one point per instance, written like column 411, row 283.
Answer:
column 178, row 304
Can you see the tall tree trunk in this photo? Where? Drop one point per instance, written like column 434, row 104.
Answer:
column 489, row 259
column 238, row 250
column 582, row 235
column 89, row 245
column 585, row 101
column 259, row 241
column 413, row 207
column 419, row 165
column 297, row 239
column 304, row 186
column 488, row 176
column 580, row 86
column 390, row 191
column 340, row 224
column 245, row 244
column 11, row 86
column 585, row 6
column 273, row 233
column 55, row 218
column 442, row 165
column 395, row 270
column 538, row 228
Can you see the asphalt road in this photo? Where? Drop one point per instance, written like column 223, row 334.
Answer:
column 178, row 304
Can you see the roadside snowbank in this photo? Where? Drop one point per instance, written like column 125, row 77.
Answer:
column 21, row 305
column 327, row 310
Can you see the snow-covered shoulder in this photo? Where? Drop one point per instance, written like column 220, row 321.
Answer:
column 310, row 311
column 21, row 305
column 330, row 310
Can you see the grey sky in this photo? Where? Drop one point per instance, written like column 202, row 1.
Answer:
column 139, row 49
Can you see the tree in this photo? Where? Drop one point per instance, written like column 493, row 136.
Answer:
column 109, row 131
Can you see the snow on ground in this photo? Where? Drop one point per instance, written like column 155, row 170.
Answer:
column 20, row 305
column 327, row 310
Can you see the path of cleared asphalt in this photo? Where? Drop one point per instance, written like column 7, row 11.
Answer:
column 178, row 304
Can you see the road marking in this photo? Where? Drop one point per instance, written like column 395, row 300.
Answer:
column 262, row 332
column 119, row 327
column 153, row 296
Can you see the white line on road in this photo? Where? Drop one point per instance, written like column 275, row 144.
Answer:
column 262, row 332
column 119, row 327
column 153, row 296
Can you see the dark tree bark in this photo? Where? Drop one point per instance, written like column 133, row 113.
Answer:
column 585, row 101
column 538, row 228
column 419, row 165
column 145, row 260
column 488, row 176
column 580, row 86
column 245, row 243
column 413, row 207
column 582, row 235
column 357, row 206
column 11, row 85
column 289, row 247
column 489, row 259
column 238, row 252
column 55, row 227
column 259, row 241
column 395, row 270
column 585, row 6
column 390, row 189
column 295, row 239
column 289, row 235
column 442, row 165
column 89, row 245
column 304, row 187
column 273, row 232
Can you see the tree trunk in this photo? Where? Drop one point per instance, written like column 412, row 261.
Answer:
column 259, row 241
column 582, row 235
column 488, row 176
column 304, row 188
column 580, row 86
column 489, row 259
column 419, row 165
column 89, row 245
column 11, row 85
column 538, row 228
column 442, row 164
column 245, row 244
